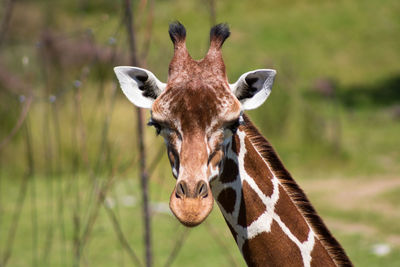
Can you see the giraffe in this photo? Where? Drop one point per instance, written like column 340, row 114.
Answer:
column 217, row 153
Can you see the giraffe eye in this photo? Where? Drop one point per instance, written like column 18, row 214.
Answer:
column 235, row 125
column 156, row 125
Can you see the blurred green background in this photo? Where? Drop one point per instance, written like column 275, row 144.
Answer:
column 69, row 181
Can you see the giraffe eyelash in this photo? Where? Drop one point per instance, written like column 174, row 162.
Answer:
column 156, row 125
column 235, row 125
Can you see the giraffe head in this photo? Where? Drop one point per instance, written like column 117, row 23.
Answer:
column 195, row 111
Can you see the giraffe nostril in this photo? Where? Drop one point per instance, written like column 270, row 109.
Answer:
column 181, row 189
column 202, row 190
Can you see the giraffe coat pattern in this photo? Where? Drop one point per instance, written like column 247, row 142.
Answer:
column 217, row 153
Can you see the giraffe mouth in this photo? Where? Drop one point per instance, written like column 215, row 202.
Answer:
column 191, row 208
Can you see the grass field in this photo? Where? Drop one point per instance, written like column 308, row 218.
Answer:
column 362, row 213
column 333, row 117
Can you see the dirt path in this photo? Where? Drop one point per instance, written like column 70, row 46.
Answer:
column 359, row 194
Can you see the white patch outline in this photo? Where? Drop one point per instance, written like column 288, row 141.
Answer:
column 264, row 222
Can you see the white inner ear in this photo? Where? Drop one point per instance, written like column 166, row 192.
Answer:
column 253, row 96
column 140, row 91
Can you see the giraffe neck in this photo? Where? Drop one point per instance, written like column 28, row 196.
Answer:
column 269, row 216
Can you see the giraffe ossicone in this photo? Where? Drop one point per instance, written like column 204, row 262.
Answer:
column 217, row 153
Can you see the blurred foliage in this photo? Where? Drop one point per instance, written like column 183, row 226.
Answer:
column 306, row 41
column 334, row 110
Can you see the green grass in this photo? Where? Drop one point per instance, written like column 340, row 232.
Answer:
column 359, row 249
column 41, row 214
column 391, row 196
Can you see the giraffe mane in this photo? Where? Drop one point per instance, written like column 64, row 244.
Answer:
column 296, row 194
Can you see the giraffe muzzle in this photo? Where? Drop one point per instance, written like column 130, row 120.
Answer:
column 191, row 202
column 183, row 190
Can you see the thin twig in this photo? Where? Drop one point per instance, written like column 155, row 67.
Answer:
column 15, row 220
column 78, row 131
column 177, row 248
column 157, row 159
column 101, row 195
column 131, row 36
column 213, row 12
column 19, row 122
column 224, row 248
column 5, row 23
column 148, row 34
column 33, row 203
column 20, row 202
column 48, row 154
column 140, row 136
column 121, row 237
column 103, row 189
column 59, row 182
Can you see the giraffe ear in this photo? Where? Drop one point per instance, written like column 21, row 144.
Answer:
column 140, row 86
column 253, row 87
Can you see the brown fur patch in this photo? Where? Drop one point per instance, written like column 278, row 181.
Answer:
column 227, row 199
column 263, row 248
column 257, row 169
column 235, row 144
column 194, row 101
column 251, row 206
column 320, row 257
column 297, row 195
column 230, row 171
column 291, row 217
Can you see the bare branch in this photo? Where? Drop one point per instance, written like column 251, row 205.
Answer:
column 140, row 136
column 177, row 248
column 6, row 20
